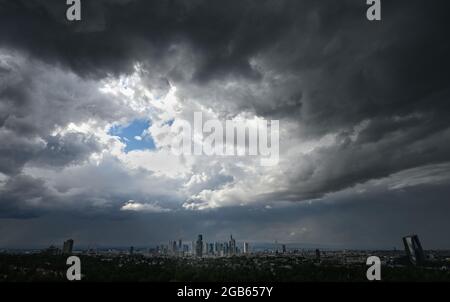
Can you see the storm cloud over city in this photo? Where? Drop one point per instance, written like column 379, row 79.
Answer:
column 363, row 110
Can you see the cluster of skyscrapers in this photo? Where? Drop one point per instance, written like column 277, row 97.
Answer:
column 201, row 248
column 66, row 249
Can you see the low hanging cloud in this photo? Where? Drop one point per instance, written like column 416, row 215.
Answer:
column 132, row 205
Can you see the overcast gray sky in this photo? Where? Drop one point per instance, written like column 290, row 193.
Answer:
column 363, row 110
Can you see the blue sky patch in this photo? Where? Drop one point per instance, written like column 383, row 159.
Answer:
column 131, row 135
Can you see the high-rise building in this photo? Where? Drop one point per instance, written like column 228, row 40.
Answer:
column 211, row 249
column 414, row 249
column 218, row 249
column 283, row 248
column 185, row 249
column 174, row 247
column 68, row 246
column 131, row 250
column 199, row 246
column 232, row 246
column 226, row 249
column 246, row 249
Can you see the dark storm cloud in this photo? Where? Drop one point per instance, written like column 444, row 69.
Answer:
column 224, row 35
column 51, row 151
column 35, row 101
column 348, row 163
column 71, row 148
column 347, row 69
column 23, row 196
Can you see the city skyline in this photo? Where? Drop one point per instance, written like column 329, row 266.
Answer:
column 172, row 247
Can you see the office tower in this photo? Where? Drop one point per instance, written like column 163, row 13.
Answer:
column 211, row 249
column 68, row 246
column 174, row 247
column 414, row 249
column 185, row 249
column 218, row 249
column 226, row 249
column 283, row 248
column 232, row 245
column 131, row 250
column 246, row 250
column 199, row 246
column 180, row 245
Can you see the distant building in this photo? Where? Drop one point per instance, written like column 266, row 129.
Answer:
column 131, row 250
column 211, row 249
column 174, row 247
column 317, row 254
column 67, row 247
column 199, row 246
column 219, row 249
column 216, row 248
column 232, row 246
column 226, row 249
column 414, row 249
column 283, row 248
column 185, row 249
column 52, row 251
column 246, row 249
column 205, row 248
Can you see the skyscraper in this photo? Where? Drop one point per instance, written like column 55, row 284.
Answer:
column 232, row 245
column 185, row 249
column 174, row 247
column 199, row 246
column 414, row 249
column 211, row 249
column 246, row 249
column 68, row 246
column 226, row 249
